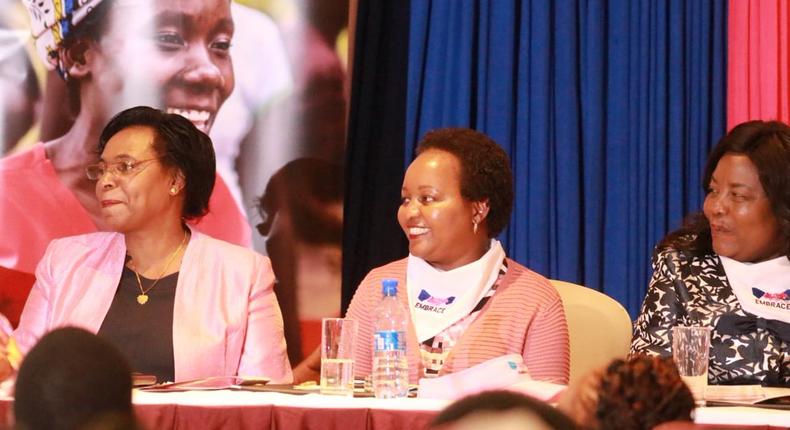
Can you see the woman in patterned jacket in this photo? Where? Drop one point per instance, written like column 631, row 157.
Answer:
column 728, row 268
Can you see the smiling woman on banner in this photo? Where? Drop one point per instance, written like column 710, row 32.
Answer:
column 468, row 302
column 113, row 54
column 729, row 267
column 177, row 303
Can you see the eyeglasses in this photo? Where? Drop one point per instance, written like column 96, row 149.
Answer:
column 119, row 168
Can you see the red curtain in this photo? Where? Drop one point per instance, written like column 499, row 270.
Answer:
column 758, row 82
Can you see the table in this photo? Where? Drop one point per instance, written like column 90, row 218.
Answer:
column 260, row 410
column 743, row 416
column 231, row 409
column 241, row 409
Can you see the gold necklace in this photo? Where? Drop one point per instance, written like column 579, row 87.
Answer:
column 142, row 298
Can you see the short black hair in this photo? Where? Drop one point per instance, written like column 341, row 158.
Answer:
column 503, row 401
column 485, row 170
column 69, row 379
column 181, row 145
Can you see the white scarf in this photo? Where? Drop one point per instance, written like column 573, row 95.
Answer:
column 763, row 289
column 439, row 299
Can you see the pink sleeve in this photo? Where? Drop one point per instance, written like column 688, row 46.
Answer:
column 546, row 349
column 33, row 323
column 360, row 310
column 264, row 351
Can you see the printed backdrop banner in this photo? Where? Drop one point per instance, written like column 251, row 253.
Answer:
column 265, row 79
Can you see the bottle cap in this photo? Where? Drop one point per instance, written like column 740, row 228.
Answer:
column 389, row 287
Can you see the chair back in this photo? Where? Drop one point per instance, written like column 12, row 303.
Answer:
column 599, row 328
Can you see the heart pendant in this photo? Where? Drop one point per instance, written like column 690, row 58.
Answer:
column 142, row 299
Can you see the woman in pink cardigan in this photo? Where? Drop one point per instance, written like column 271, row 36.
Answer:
column 468, row 302
column 178, row 304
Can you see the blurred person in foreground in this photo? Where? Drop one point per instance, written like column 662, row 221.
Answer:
column 73, row 380
column 634, row 394
column 112, row 54
column 503, row 410
column 467, row 301
column 178, row 304
column 728, row 268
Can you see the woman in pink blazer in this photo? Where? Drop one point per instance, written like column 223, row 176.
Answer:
column 178, row 304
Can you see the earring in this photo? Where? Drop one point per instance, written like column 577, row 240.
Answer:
column 173, row 190
column 474, row 226
column 60, row 67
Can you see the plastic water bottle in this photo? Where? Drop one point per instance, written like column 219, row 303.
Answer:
column 390, row 366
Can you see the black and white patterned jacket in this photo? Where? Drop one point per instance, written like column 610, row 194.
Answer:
column 755, row 357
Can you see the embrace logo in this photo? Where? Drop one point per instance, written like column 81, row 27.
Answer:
column 429, row 303
column 760, row 294
column 773, row 300
column 436, row 301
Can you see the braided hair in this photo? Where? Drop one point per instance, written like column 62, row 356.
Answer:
column 640, row 393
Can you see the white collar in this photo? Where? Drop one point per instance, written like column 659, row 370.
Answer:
column 763, row 288
column 438, row 299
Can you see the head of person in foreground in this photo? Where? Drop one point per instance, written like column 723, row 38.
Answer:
column 636, row 393
column 72, row 379
column 505, row 410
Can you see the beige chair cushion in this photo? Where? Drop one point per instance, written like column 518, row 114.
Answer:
column 598, row 326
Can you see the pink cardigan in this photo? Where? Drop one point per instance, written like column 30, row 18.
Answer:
column 525, row 316
column 226, row 320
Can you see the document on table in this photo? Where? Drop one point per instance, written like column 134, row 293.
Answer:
column 507, row 372
column 207, row 384
column 748, row 394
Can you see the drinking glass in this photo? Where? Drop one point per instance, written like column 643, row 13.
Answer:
column 337, row 356
column 690, row 346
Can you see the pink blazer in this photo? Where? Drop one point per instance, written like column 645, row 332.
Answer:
column 525, row 316
column 226, row 320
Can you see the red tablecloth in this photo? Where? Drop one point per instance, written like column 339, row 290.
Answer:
column 261, row 411
column 278, row 417
column 255, row 410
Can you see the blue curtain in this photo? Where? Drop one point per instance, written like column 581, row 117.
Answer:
column 607, row 109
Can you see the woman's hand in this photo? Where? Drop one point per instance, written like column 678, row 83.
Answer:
column 309, row 369
column 9, row 353
column 5, row 366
